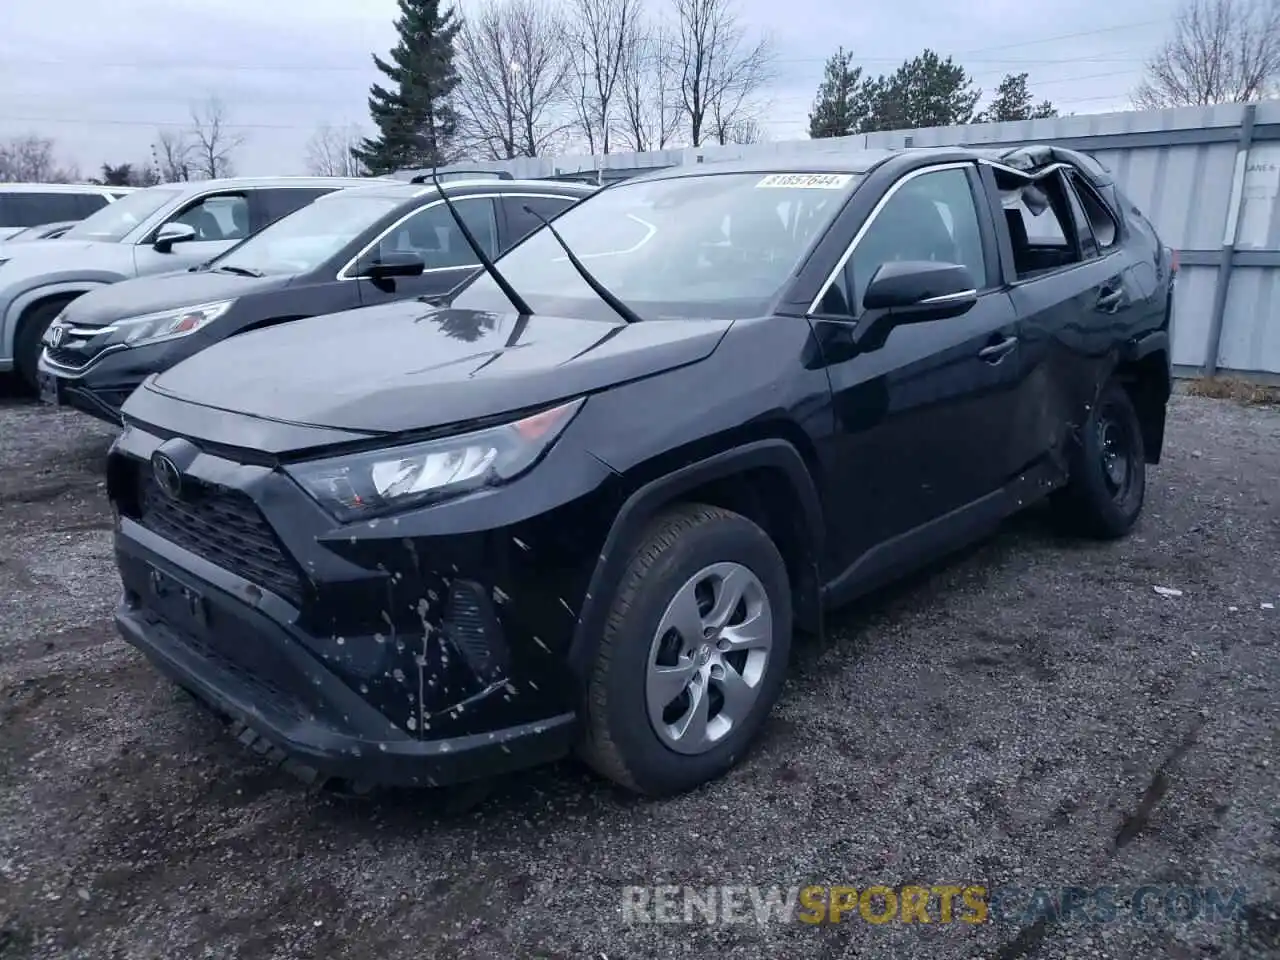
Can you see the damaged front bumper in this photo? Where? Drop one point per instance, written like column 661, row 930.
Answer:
column 382, row 669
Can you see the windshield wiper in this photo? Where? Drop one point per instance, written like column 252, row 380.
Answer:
column 603, row 292
column 238, row 271
column 517, row 301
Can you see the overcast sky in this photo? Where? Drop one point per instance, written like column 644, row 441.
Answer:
column 99, row 78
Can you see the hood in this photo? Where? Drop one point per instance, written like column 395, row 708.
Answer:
column 57, row 256
column 9, row 231
column 170, row 291
column 406, row 366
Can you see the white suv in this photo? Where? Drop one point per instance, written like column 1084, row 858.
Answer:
column 34, row 204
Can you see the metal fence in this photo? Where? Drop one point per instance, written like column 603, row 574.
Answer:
column 1208, row 177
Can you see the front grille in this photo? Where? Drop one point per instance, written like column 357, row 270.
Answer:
column 74, row 351
column 224, row 527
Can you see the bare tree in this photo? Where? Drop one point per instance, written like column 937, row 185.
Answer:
column 213, row 143
column 329, row 151
column 1222, row 51
column 174, row 154
column 601, row 34
column 648, row 101
column 720, row 71
column 513, row 69
column 30, row 159
column 746, row 130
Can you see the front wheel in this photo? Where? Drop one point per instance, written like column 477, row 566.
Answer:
column 693, row 655
column 27, row 345
column 1108, row 470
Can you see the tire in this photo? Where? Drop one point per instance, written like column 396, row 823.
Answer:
column 31, row 328
column 724, row 551
column 1104, row 501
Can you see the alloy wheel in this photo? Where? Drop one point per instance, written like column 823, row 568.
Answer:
column 708, row 658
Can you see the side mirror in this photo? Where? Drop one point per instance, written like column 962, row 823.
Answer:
column 391, row 265
column 172, row 233
column 917, row 290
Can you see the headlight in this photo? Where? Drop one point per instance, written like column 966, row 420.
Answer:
column 365, row 485
column 167, row 324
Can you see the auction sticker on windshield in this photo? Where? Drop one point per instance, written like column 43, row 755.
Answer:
column 811, row 181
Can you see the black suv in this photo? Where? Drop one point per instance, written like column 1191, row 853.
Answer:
column 583, row 505
column 352, row 248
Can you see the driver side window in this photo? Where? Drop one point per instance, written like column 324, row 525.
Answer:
column 223, row 216
column 433, row 234
column 930, row 217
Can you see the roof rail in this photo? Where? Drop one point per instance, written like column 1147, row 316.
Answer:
column 447, row 175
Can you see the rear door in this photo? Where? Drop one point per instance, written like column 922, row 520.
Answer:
column 431, row 233
column 221, row 220
column 923, row 416
column 1070, row 292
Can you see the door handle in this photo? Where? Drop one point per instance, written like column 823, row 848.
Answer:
column 1110, row 297
column 995, row 352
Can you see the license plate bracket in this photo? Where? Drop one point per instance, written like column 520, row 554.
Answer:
column 47, row 384
column 178, row 602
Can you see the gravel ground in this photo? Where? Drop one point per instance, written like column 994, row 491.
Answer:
column 1032, row 713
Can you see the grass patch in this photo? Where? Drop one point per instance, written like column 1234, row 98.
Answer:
column 1233, row 388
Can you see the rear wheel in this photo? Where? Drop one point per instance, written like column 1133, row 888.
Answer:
column 693, row 654
column 1108, row 474
column 27, row 347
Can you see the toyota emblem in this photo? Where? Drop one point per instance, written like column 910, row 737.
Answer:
column 167, row 475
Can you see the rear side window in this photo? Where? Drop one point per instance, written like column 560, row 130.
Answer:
column 1041, row 226
column 521, row 223
column 1101, row 221
column 280, row 202
column 33, row 209
column 88, row 203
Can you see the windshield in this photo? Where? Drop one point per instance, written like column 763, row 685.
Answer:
column 114, row 221
column 713, row 245
column 306, row 238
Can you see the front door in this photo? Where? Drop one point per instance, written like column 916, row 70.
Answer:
column 923, row 412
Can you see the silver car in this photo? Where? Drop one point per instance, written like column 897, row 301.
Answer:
column 161, row 229
column 24, row 205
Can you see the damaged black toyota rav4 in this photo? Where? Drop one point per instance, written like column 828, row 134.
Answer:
column 583, row 505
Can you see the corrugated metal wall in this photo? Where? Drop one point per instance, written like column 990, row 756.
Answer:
column 1208, row 177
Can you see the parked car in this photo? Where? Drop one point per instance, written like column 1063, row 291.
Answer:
column 157, row 230
column 33, row 204
column 45, row 231
column 585, row 506
column 361, row 246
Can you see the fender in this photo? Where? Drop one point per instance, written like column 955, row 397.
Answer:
column 18, row 306
column 638, row 508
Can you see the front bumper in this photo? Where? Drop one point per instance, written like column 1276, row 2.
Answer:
column 361, row 669
column 100, row 385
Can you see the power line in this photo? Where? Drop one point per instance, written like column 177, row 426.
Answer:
column 274, row 67
column 335, row 68
column 104, row 121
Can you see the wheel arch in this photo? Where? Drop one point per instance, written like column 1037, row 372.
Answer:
column 22, row 305
column 1143, row 369
column 767, row 480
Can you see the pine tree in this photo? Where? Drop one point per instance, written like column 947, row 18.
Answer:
column 1013, row 102
column 925, row 92
column 415, row 119
column 839, row 108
